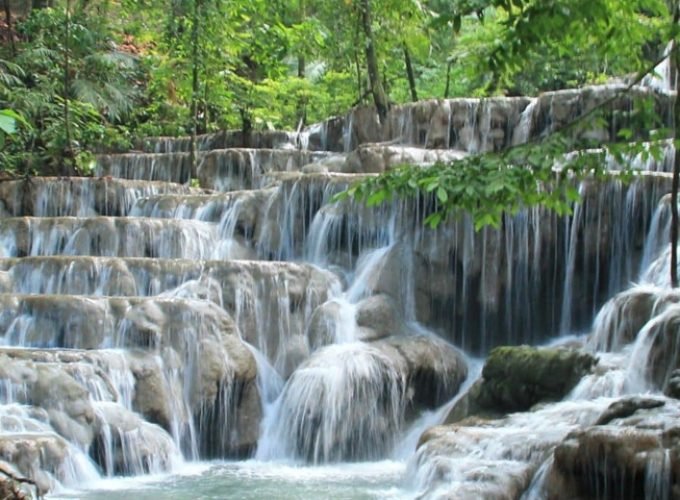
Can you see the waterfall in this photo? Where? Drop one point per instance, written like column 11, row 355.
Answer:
column 147, row 324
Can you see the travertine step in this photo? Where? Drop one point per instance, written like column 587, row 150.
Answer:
column 236, row 169
column 224, row 282
column 111, row 236
column 79, row 196
column 266, row 139
column 170, row 167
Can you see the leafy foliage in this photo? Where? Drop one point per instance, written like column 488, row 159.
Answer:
column 278, row 64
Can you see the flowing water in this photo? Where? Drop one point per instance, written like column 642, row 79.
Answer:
column 249, row 339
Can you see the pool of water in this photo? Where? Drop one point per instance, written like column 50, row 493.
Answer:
column 253, row 480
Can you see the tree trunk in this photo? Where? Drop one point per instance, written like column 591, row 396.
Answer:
column 447, row 90
column 676, row 164
column 68, row 150
column 301, row 110
column 246, row 128
column 357, row 64
column 193, row 155
column 10, row 31
column 379, row 96
column 409, row 73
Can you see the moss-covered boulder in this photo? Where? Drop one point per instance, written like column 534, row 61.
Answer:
column 515, row 378
column 518, row 377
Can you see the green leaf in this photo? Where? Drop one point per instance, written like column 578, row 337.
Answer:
column 442, row 195
column 433, row 220
column 7, row 124
column 376, row 198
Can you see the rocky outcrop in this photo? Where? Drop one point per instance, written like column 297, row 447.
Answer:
column 622, row 317
column 463, row 124
column 190, row 366
column 177, row 308
column 496, row 458
column 628, row 457
column 516, row 378
column 488, row 124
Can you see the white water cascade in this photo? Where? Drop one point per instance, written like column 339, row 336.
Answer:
column 248, row 338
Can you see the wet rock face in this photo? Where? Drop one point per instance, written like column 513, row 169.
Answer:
column 434, row 370
column 630, row 457
column 38, row 457
column 620, row 320
column 646, row 315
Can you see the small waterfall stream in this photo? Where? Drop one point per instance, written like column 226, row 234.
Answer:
column 249, row 339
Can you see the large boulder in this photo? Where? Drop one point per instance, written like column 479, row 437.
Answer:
column 349, row 401
column 434, row 370
column 378, row 316
column 336, row 320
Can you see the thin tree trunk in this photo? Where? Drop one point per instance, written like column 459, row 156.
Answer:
column 379, row 96
column 193, row 155
column 302, row 99
column 674, row 188
column 447, row 90
column 206, row 113
column 301, row 55
column 10, row 31
column 68, row 151
column 674, row 214
column 676, row 164
column 357, row 63
column 409, row 73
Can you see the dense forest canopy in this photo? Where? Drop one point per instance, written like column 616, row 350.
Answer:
column 85, row 75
